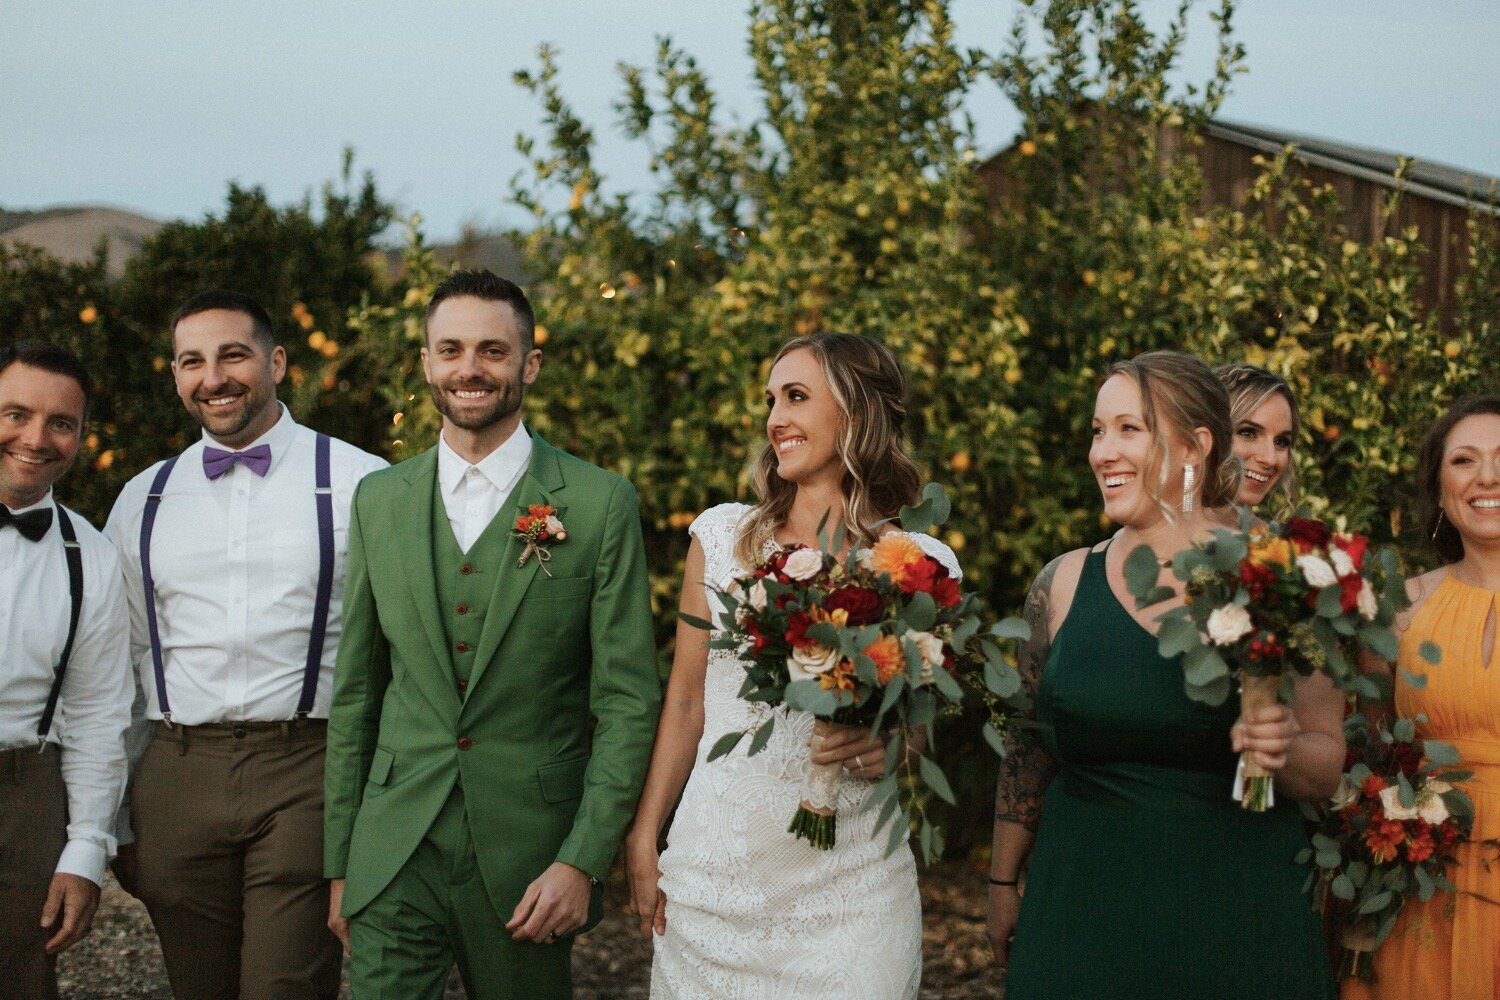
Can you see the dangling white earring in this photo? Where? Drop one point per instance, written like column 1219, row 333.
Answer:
column 1189, row 477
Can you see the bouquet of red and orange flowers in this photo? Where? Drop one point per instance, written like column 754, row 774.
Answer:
column 1266, row 604
column 875, row 639
column 1388, row 835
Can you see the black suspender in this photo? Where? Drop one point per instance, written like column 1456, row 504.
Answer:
column 323, row 495
column 75, row 592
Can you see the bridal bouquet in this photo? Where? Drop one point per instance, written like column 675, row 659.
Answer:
column 875, row 639
column 1388, row 835
column 1266, row 604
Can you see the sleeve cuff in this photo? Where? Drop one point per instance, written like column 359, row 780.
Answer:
column 84, row 859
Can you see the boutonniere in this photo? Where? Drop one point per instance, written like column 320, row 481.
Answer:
column 539, row 527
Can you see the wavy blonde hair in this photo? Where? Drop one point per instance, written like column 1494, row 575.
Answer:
column 1249, row 386
column 879, row 477
column 1179, row 393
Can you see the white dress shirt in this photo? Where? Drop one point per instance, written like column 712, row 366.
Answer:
column 235, row 566
column 94, row 707
column 474, row 493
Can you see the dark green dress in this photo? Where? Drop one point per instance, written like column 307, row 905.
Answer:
column 1147, row 879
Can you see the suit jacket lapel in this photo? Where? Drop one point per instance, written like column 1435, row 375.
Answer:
column 543, row 478
column 421, row 577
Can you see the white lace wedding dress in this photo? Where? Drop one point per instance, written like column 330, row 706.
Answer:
column 753, row 912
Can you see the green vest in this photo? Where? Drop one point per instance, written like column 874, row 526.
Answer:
column 465, row 581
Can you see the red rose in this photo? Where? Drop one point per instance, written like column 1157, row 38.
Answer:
column 1407, row 758
column 862, row 604
column 945, row 590
column 1306, row 534
column 921, row 576
column 1349, row 588
column 1373, row 786
column 1420, row 847
column 1354, row 546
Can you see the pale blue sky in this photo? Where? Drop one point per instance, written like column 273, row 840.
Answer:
column 155, row 105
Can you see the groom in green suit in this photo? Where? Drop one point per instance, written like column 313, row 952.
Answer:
column 495, row 697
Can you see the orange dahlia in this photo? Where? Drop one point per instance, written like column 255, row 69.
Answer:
column 889, row 657
column 895, row 555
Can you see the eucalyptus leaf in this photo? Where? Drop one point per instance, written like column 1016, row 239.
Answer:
column 809, row 696
column 1229, row 550
column 1003, row 680
column 1407, row 795
column 761, row 738
column 1331, row 601
column 1177, row 635
column 1011, row 628
column 1380, row 641
column 933, row 778
column 1417, row 681
column 993, row 738
column 1431, row 652
column 1425, row 885
column 1404, row 730
column 1142, row 568
column 1440, row 754
column 920, row 612
column 724, row 744
column 1377, row 902
column 1342, row 888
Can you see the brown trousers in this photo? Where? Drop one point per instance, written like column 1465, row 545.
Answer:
column 33, row 832
column 229, row 832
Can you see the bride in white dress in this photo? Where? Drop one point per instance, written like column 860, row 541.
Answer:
column 742, row 909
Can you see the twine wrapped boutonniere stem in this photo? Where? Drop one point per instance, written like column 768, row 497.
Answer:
column 539, row 528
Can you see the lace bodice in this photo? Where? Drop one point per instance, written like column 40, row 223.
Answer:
column 752, row 911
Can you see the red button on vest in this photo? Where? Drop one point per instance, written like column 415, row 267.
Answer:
column 463, row 609
column 463, row 685
column 464, row 743
column 462, row 647
column 466, row 569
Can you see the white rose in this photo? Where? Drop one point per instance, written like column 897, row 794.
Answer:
column 1366, row 602
column 1317, row 572
column 1390, row 801
column 804, row 564
column 807, row 662
column 865, row 560
column 1342, row 564
column 757, row 597
column 1430, row 805
column 931, row 648
column 1347, row 794
column 1229, row 624
column 555, row 528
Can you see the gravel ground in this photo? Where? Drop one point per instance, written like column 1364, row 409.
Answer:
column 120, row 959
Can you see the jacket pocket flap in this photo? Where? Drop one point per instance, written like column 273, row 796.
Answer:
column 380, row 766
column 563, row 779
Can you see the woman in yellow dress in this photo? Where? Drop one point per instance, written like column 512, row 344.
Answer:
column 1449, row 947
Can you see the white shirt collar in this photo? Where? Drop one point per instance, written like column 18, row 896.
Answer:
column 278, row 437
column 502, row 467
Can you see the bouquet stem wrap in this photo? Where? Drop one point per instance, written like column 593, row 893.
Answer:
column 1256, row 692
column 1356, row 950
column 815, row 819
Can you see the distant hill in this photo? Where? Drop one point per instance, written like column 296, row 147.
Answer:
column 474, row 248
column 71, row 233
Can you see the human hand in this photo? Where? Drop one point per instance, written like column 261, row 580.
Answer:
column 1001, row 911
column 70, row 906
column 643, row 872
column 126, row 868
column 336, row 922
column 557, row 903
column 852, row 747
column 1267, row 734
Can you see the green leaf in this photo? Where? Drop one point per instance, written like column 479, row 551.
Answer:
column 900, row 831
column 695, row 621
column 1440, row 754
column 993, row 738
column 1343, row 887
column 1376, row 903
column 920, row 612
column 1380, row 641
column 1177, row 635
column 825, row 634
column 1228, row 551
column 1331, row 601
column 1011, row 628
column 762, row 737
column 1002, row 680
column 933, row 778
column 1431, row 652
column 933, row 510
column 1406, row 794
column 1142, row 568
column 809, row 696
column 724, row 744
column 1203, row 666
column 947, row 686
column 1425, row 885
column 1404, row 730
column 1417, row 681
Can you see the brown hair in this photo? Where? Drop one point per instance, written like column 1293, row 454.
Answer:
column 879, row 477
column 1249, row 386
column 1438, row 529
column 1180, row 394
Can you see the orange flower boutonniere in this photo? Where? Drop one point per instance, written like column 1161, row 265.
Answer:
column 537, row 528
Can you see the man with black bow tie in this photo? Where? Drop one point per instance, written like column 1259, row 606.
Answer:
column 233, row 556
column 64, row 680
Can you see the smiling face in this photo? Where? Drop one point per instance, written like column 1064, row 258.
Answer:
column 1127, row 461
column 1263, row 441
column 805, row 420
column 476, row 368
column 226, row 376
column 1469, row 480
column 41, row 425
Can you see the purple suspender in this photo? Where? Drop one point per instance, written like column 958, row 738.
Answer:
column 324, row 499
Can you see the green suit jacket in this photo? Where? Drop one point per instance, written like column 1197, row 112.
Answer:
column 553, row 733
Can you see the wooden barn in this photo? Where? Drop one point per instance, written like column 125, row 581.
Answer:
column 1437, row 199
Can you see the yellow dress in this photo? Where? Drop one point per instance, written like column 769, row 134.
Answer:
column 1449, row 947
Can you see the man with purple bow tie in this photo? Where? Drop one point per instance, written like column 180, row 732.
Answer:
column 233, row 555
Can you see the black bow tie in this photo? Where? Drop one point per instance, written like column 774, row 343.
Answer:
column 32, row 525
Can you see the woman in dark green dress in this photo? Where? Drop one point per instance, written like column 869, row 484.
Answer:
column 1146, row 878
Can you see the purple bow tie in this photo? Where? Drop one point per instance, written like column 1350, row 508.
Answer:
column 217, row 462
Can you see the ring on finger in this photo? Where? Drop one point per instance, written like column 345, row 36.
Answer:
column 857, row 762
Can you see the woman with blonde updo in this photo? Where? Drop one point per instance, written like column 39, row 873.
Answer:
column 1147, row 879
column 739, row 907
